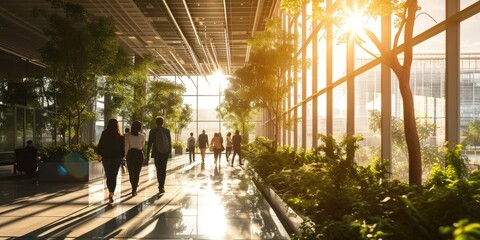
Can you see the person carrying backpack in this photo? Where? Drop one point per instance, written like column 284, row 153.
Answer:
column 191, row 147
column 160, row 141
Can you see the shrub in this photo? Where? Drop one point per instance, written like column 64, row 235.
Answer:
column 340, row 200
column 59, row 153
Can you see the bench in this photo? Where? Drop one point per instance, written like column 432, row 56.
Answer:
column 7, row 158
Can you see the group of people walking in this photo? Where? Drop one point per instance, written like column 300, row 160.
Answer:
column 216, row 146
column 114, row 147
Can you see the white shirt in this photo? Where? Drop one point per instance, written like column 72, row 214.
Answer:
column 132, row 141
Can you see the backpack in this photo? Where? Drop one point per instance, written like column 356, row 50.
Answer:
column 161, row 141
column 191, row 142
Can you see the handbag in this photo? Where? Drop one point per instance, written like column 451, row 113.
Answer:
column 124, row 166
column 211, row 148
column 223, row 148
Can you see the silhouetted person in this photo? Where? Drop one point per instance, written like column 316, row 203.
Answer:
column 134, row 143
column 160, row 137
column 229, row 146
column 191, row 147
column 31, row 154
column 217, row 142
column 203, row 144
column 111, row 151
column 237, row 149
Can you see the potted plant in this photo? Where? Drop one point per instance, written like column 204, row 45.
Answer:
column 75, row 163
column 179, row 148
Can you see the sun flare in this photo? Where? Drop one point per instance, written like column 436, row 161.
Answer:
column 353, row 23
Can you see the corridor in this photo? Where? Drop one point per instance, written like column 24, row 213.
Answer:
column 202, row 201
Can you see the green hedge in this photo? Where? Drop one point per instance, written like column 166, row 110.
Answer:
column 341, row 200
column 59, row 153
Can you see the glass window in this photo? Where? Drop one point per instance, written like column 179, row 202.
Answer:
column 367, row 108
column 322, row 114
column 189, row 83
column 470, row 86
column 29, row 123
column 339, row 106
column 7, row 142
column 466, row 3
column 431, row 13
column 206, row 108
column 309, row 130
column 20, row 126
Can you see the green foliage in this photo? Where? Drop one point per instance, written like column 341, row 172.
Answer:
column 181, row 118
column 164, row 99
column 472, row 134
column 264, row 80
column 235, row 110
column 178, row 145
column 463, row 230
column 341, row 200
column 79, row 50
column 58, row 153
column 430, row 154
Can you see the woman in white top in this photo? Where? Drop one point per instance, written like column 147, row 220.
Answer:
column 134, row 143
column 229, row 146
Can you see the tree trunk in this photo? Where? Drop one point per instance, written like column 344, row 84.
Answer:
column 77, row 127
column 107, row 109
column 245, row 138
column 411, row 133
column 69, row 128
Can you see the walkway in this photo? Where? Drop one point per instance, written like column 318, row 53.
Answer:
column 202, row 201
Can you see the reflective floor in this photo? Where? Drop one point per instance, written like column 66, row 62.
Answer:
column 202, row 201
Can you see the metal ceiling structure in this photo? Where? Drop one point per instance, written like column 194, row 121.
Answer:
column 188, row 37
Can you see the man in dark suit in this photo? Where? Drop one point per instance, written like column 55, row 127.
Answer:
column 237, row 147
column 203, row 144
column 161, row 151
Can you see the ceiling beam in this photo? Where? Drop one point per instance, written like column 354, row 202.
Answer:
column 227, row 43
column 189, row 48
column 207, row 56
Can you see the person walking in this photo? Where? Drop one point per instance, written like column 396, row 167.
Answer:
column 134, row 143
column 217, row 147
column 229, row 146
column 161, row 139
column 237, row 149
column 111, row 151
column 191, row 148
column 203, row 144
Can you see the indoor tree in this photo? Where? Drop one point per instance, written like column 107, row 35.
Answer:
column 399, row 57
column 80, row 49
column 264, row 80
column 181, row 118
column 237, row 111
column 164, row 98
column 472, row 134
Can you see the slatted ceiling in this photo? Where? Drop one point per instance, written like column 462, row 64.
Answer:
column 154, row 29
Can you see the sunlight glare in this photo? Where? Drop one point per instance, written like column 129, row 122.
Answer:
column 354, row 23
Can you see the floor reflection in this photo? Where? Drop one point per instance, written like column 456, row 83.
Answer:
column 202, row 201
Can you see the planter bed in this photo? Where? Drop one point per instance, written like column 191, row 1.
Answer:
column 289, row 218
column 81, row 171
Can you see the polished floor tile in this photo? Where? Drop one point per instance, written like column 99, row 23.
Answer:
column 202, row 201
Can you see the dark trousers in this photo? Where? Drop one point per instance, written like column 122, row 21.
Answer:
column 111, row 167
column 191, row 154
column 228, row 151
column 134, row 164
column 161, row 166
column 239, row 152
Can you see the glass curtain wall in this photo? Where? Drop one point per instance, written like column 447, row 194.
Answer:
column 428, row 83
